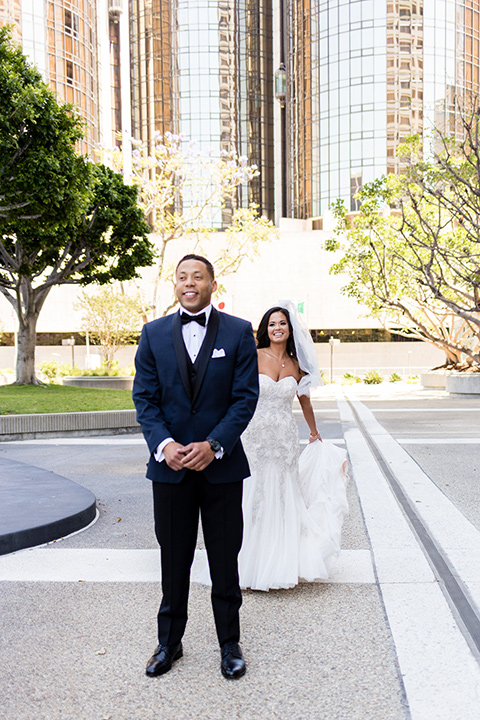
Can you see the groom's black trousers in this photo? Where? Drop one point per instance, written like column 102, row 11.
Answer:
column 176, row 511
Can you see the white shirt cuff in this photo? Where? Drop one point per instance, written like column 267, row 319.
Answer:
column 158, row 454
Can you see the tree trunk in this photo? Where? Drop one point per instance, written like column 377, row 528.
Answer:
column 26, row 350
column 453, row 356
column 28, row 304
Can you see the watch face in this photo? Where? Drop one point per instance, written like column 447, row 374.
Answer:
column 214, row 444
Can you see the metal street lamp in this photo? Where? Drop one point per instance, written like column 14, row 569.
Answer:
column 333, row 341
column 281, row 95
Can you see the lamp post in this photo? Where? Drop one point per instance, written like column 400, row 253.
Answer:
column 281, row 95
column 333, row 341
column 70, row 341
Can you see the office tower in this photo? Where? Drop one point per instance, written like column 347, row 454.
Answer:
column 204, row 69
column 363, row 75
column 76, row 46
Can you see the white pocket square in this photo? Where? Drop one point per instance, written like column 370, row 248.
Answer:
column 218, row 353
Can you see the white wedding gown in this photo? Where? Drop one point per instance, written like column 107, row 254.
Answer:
column 293, row 504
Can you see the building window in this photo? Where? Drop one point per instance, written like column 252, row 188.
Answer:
column 70, row 21
column 69, row 72
column 355, row 187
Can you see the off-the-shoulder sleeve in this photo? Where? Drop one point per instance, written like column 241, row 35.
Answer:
column 303, row 387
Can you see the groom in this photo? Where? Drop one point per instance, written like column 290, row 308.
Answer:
column 195, row 390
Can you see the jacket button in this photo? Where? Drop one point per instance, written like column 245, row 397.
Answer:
column 194, row 412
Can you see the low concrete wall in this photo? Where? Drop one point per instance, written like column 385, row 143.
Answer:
column 463, row 383
column 23, row 427
column 405, row 358
column 111, row 383
column 434, row 380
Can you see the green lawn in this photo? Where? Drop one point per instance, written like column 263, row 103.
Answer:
column 28, row 399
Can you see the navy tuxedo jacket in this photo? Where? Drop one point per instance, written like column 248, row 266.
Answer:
column 221, row 404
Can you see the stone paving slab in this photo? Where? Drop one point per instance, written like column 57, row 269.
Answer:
column 78, row 652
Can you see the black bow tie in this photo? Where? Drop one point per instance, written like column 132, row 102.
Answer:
column 200, row 319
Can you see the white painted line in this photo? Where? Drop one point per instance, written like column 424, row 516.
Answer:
column 113, row 565
column 104, row 440
column 445, row 522
column 438, row 441
column 440, row 673
column 424, row 409
column 474, row 590
column 85, row 565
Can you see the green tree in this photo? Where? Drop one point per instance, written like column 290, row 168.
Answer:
column 63, row 219
column 41, row 176
column 184, row 194
column 399, row 252
column 112, row 318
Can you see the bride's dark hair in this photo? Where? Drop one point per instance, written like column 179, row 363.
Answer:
column 263, row 340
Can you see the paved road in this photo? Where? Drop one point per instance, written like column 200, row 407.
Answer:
column 383, row 640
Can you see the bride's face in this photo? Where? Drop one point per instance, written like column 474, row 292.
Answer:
column 278, row 331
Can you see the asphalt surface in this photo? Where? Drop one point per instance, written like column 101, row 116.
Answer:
column 363, row 646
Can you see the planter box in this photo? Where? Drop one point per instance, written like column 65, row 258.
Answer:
column 435, row 379
column 463, row 383
column 90, row 381
column 108, row 422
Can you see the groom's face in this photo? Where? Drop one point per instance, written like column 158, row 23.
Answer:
column 194, row 286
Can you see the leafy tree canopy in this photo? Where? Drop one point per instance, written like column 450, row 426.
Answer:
column 41, row 176
column 63, row 219
column 410, row 261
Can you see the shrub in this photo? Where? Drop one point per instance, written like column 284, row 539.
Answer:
column 52, row 370
column 373, row 377
column 412, row 379
column 350, row 379
column 394, row 377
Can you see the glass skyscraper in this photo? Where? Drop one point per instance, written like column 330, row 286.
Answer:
column 204, row 69
column 72, row 42
column 363, row 75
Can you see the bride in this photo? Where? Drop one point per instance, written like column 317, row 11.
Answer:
column 293, row 505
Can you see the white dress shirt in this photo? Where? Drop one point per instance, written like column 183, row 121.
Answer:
column 193, row 337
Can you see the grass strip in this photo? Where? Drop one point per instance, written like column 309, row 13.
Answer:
column 35, row 399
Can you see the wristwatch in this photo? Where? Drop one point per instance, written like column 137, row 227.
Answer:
column 214, row 444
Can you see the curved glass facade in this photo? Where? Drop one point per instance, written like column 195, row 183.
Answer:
column 60, row 38
column 337, row 100
column 71, row 58
column 203, row 68
column 363, row 75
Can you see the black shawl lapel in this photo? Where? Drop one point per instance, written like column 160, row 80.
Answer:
column 206, row 351
column 181, row 353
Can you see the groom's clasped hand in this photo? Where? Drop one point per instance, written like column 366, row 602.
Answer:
column 194, row 456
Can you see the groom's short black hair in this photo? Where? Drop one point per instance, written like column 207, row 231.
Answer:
column 206, row 262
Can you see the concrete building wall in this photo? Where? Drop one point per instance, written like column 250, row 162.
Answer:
column 357, row 358
column 295, row 266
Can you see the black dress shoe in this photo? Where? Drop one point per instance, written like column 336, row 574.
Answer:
column 163, row 658
column 233, row 664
